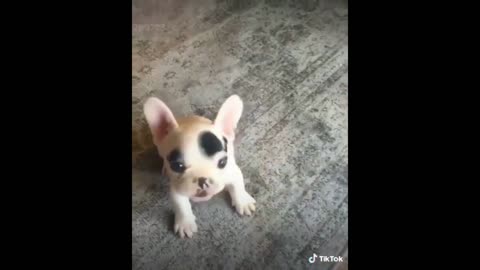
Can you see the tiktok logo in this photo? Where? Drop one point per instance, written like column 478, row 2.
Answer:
column 325, row 258
column 312, row 259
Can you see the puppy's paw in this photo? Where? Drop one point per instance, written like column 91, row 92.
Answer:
column 185, row 226
column 244, row 204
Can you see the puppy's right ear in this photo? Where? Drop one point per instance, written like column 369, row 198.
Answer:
column 159, row 118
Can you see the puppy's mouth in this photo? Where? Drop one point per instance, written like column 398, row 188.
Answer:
column 201, row 193
column 203, row 188
column 205, row 191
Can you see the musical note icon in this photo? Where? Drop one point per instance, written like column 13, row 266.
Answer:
column 312, row 259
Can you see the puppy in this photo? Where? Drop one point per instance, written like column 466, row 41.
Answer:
column 198, row 157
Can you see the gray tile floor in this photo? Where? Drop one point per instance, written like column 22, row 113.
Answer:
column 289, row 64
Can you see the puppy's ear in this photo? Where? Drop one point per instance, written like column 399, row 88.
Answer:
column 159, row 118
column 229, row 115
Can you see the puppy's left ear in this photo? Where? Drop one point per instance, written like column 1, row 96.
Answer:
column 159, row 118
column 229, row 115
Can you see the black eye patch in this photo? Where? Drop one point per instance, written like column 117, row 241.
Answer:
column 209, row 143
column 175, row 160
column 175, row 155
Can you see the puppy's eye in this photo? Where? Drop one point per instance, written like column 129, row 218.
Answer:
column 177, row 167
column 222, row 163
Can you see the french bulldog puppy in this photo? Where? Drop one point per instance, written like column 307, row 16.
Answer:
column 199, row 159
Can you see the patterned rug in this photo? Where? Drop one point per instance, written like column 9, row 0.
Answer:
column 289, row 64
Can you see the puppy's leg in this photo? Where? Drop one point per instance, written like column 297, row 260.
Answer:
column 241, row 200
column 184, row 218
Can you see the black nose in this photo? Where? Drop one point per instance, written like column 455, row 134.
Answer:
column 202, row 182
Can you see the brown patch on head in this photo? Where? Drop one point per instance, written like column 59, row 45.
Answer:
column 187, row 129
column 189, row 122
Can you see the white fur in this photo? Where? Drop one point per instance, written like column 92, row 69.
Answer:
column 185, row 224
column 241, row 200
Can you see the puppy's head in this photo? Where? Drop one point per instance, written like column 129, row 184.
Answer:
column 197, row 152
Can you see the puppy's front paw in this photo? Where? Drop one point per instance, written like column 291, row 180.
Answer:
column 185, row 226
column 244, row 204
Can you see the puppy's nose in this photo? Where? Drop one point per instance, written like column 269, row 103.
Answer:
column 202, row 182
